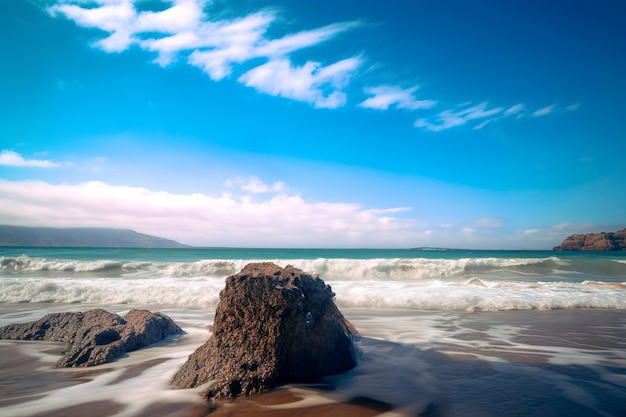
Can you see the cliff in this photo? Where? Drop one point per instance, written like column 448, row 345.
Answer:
column 81, row 237
column 612, row 241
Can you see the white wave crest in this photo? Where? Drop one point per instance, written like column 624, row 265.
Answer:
column 478, row 295
column 191, row 293
column 327, row 268
column 421, row 268
column 23, row 264
column 203, row 292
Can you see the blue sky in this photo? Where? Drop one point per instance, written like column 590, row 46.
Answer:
column 483, row 124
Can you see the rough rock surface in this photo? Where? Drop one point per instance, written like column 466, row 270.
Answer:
column 96, row 336
column 612, row 241
column 272, row 325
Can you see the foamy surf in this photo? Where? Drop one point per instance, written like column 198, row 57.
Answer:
column 422, row 283
column 328, row 268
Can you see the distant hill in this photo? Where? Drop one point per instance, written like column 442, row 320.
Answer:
column 81, row 237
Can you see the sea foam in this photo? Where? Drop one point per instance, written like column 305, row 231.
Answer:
column 457, row 284
column 327, row 268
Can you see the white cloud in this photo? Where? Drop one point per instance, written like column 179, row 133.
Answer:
column 276, row 219
column 254, row 185
column 544, row 111
column 115, row 17
column 182, row 16
column 483, row 124
column 221, row 44
column 515, row 110
column 216, row 45
column 258, row 214
column 385, row 96
column 311, row 83
column 14, row 159
column 290, row 43
column 451, row 118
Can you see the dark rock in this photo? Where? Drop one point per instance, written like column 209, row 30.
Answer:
column 96, row 336
column 272, row 325
column 612, row 241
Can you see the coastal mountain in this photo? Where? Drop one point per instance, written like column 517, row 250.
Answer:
column 612, row 241
column 81, row 237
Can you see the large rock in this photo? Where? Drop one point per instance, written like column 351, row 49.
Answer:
column 96, row 336
column 612, row 241
column 272, row 325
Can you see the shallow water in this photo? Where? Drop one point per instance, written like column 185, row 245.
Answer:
column 511, row 363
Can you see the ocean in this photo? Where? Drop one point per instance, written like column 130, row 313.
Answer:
column 443, row 332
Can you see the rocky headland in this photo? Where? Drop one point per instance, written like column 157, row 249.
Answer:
column 96, row 336
column 272, row 325
column 612, row 241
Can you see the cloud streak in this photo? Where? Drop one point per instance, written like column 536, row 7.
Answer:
column 305, row 83
column 216, row 46
column 385, row 96
column 480, row 115
column 11, row 158
column 543, row 111
column 220, row 47
column 453, row 118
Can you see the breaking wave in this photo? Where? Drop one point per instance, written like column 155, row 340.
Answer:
column 327, row 268
column 472, row 295
column 448, row 284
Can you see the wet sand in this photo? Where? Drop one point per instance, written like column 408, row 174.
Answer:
column 528, row 363
column 25, row 377
column 288, row 402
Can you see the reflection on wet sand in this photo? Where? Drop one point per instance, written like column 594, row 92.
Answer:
column 547, row 363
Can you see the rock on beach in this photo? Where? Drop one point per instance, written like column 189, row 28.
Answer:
column 272, row 325
column 96, row 336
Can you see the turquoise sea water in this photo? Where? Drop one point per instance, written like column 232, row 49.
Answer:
column 403, row 278
column 196, row 254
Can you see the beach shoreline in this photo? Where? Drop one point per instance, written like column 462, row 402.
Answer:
column 447, row 364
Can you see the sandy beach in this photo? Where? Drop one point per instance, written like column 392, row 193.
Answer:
column 548, row 363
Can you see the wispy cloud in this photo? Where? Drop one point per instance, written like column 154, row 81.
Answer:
column 11, row 158
column 215, row 46
column 452, row 118
column 385, row 96
column 243, row 47
column 544, row 111
column 573, row 107
column 483, row 115
column 515, row 110
column 115, row 17
column 305, row 83
column 481, row 226
column 254, row 185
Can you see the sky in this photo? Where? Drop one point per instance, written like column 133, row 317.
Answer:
column 482, row 124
